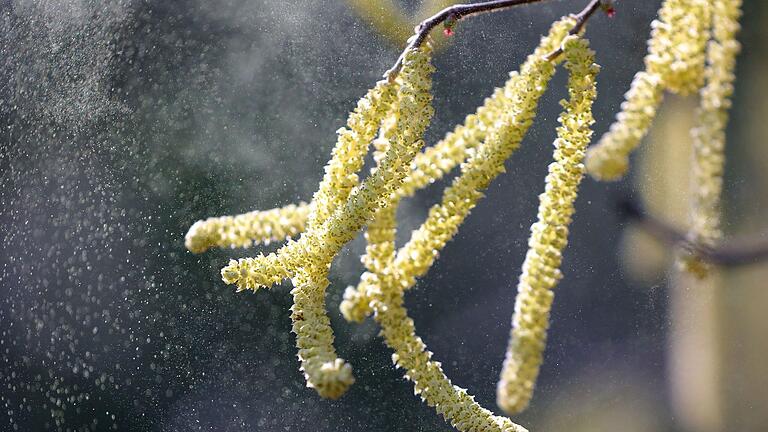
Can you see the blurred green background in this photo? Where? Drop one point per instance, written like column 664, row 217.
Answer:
column 122, row 123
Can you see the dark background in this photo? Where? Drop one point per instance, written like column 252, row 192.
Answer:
column 122, row 124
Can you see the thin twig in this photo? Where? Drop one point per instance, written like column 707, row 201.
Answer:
column 581, row 20
column 457, row 12
column 726, row 253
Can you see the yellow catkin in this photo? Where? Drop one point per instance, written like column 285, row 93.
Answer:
column 307, row 260
column 378, row 260
column 676, row 49
column 452, row 402
column 675, row 62
column 549, row 235
column 609, row 158
column 709, row 130
column 257, row 227
column 515, row 105
column 349, row 153
column 323, row 370
column 380, row 232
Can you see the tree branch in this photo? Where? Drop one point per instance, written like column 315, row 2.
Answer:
column 457, row 12
column 728, row 253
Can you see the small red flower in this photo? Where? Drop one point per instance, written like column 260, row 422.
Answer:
column 448, row 25
column 607, row 7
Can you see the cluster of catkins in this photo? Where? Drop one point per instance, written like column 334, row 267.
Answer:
column 392, row 119
column 693, row 48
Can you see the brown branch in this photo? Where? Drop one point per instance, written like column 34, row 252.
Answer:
column 728, row 253
column 457, row 12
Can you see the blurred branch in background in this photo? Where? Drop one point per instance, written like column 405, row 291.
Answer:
column 732, row 252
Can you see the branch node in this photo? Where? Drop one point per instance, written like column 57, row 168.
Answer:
column 581, row 20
